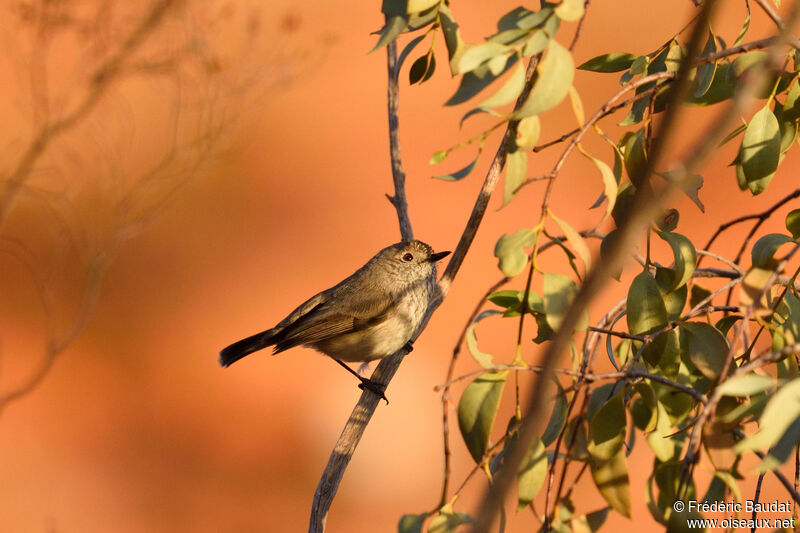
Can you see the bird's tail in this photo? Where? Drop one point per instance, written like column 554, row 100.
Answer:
column 244, row 347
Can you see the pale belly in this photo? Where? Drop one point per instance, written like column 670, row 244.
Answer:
column 380, row 340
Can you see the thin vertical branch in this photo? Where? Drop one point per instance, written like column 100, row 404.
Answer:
column 368, row 402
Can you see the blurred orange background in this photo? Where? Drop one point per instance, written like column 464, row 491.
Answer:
column 135, row 428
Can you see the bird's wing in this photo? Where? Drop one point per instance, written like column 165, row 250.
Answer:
column 337, row 316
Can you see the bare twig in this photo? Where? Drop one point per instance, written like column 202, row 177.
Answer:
column 779, row 22
column 101, row 80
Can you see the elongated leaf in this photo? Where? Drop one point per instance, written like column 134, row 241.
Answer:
column 761, row 150
column 708, row 348
column 614, row 62
column 685, row 258
column 477, row 410
column 459, row 174
column 611, row 479
column 705, row 73
column 553, row 83
column 531, row 474
column 401, row 7
column 764, row 250
column 516, row 170
column 781, row 411
column 509, row 91
column 559, row 292
column 745, row 385
column 610, row 186
column 452, row 37
column 509, row 251
column 646, row 309
column 477, row 55
column 575, row 240
column 394, row 27
column 663, row 447
column 482, row 358
column 407, row 50
column 607, row 429
column 558, row 418
column 754, row 290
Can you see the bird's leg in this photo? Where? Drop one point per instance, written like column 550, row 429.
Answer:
column 367, row 384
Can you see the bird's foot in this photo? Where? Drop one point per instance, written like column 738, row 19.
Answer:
column 374, row 387
column 408, row 347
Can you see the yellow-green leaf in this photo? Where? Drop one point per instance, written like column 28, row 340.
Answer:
column 570, row 10
column 512, row 258
column 611, row 479
column 761, row 149
column 646, row 309
column 528, row 131
column 708, row 348
column 607, row 429
column 531, row 474
column 555, row 75
column 509, row 91
column 781, row 411
column 559, row 292
column 516, row 170
column 575, row 240
column 477, row 410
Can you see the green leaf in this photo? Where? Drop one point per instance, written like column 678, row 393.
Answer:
column 482, row 358
column 477, row 410
column 394, row 27
column 745, row 385
column 554, row 79
column 418, row 69
column 675, row 299
column 635, row 157
column 477, row 55
column 506, row 298
column 512, row 258
column 659, row 440
column 708, row 348
column 782, row 450
column 570, row 10
column 411, row 523
column 559, row 292
column 746, row 61
column 611, row 479
column 401, row 7
column 760, row 150
column 575, row 240
column 614, row 62
column 685, row 258
column 646, row 310
column 705, row 73
column 607, row 429
column 407, row 50
column 765, row 248
column 448, row 521
column 509, row 91
column 528, row 131
column 516, row 170
column 793, row 223
column 536, row 43
column 610, row 186
column 781, row 411
column 558, row 418
column 531, row 474
column 462, row 173
column 791, row 106
column 456, row 47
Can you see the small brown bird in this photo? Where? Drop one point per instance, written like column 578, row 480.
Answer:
column 369, row 315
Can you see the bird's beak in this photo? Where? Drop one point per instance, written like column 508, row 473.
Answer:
column 438, row 256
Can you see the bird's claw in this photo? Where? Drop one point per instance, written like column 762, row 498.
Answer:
column 408, row 347
column 374, row 387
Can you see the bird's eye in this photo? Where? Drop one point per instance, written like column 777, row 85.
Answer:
column 408, row 257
